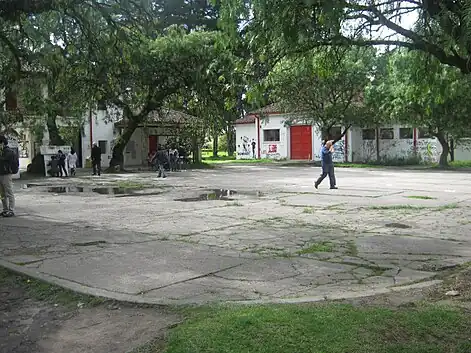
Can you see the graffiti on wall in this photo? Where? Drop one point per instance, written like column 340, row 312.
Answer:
column 428, row 150
column 243, row 149
column 339, row 151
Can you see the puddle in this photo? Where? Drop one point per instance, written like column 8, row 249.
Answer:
column 79, row 189
column 90, row 243
column 123, row 192
column 398, row 225
column 218, row 194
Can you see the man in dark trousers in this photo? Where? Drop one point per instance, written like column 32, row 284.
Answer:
column 161, row 159
column 254, row 144
column 96, row 159
column 9, row 165
column 327, row 165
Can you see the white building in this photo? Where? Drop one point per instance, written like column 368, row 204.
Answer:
column 270, row 137
column 158, row 129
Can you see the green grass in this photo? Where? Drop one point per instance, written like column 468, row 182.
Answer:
column 43, row 291
column 324, row 246
column 322, row 329
column 418, row 197
column 128, row 184
column 308, row 210
column 460, row 164
column 449, row 206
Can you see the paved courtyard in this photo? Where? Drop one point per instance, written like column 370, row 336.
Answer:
column 240, row 233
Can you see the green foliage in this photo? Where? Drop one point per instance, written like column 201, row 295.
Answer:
column 277, row 28
column 325, row 87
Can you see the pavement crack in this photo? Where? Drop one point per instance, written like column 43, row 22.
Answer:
column 190, row 279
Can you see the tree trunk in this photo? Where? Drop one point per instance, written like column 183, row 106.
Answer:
column 452, row 150
column 117, row 155
column 195, row 148
column 215, row 145
column 443, row 162
column 378, row 155
column 230, row 137
column 55, row 139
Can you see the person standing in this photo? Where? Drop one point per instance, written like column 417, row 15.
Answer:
column 62, row 158
column 254, row 144
column 96, row 159
column 9, row 165
column 161, row 159
column 327, row 165
column 72, row 161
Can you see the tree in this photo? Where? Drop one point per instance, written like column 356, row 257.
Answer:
column 147, row 72
column 420, row 91
column 324, row 88
column 282, row 27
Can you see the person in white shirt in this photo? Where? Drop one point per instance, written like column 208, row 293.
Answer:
column 72, row 160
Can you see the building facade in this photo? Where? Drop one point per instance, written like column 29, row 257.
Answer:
column 271, row 137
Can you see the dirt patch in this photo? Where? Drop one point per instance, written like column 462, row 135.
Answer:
column 29, row 325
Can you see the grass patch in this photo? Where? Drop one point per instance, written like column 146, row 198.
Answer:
column 239, row 161
column 460, row 164
column 396, row 207
column 324, row 246
column 322, row 328
column 418, row 197
column 449, row 206
column 352, row 249
column 43, row 291
column 126, row 184
column 308, row 210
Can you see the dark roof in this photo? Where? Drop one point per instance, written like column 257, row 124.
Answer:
column 168, row 116
column 274, row 108
column 248, row 119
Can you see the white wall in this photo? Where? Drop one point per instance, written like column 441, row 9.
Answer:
column 275, row 149
column 365, row 150
column 339, row 147
column 463, row 150
column 101, row 131
column 135, row 153
column 245, row 134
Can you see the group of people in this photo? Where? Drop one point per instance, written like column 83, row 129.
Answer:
column 170, row 158
column 60, row 163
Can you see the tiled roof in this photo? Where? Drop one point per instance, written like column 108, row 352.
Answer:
column 248, row 119
column 165, row 116
column 274, row 108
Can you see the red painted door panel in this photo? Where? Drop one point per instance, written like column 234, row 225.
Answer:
column 301, row 142
column 152, row 143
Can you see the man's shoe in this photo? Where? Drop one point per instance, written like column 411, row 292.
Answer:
column 3, row 213
column 316, row 185
column 333, row 188
column 8, row 214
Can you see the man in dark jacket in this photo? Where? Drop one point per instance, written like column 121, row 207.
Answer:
column 327, row 165
column 9, row 165
column 161, row 159
column 96, row 159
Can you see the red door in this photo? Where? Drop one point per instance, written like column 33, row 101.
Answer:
column 152, row 143
column 301, row 142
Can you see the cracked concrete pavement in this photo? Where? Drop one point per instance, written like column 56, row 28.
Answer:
column 273, row 238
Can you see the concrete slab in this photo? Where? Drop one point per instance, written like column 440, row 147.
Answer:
column 139, row 268
column 248, row 249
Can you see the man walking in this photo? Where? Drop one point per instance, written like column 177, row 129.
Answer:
column 327, row 165
column 9, row 165
column 96, row 159
column 161, row 159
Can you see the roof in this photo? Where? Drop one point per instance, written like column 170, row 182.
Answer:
column 274, row 108
column 164, row 116
column 248, row 119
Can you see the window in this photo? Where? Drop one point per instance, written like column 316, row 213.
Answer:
column 335, row 132
column 368, row 134
column 103, row 145
column 386, row 134
column 424, row 133
column 272, row 135
column 101, row 105
column 406, row 133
